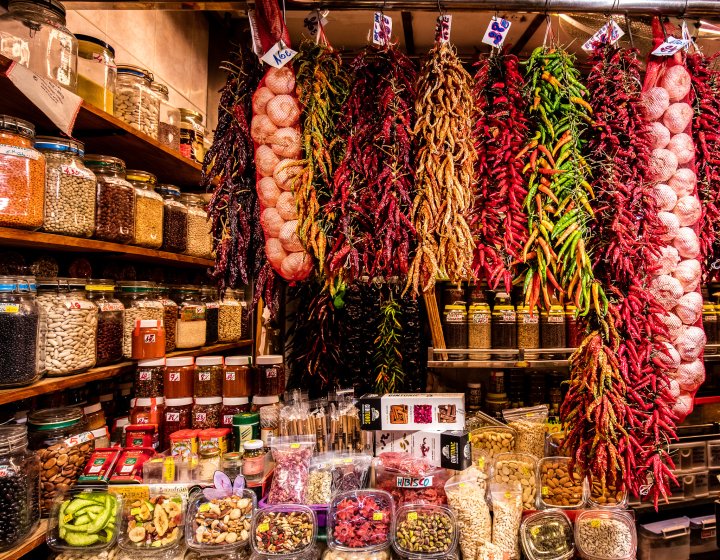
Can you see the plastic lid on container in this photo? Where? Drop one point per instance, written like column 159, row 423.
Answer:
column 209, row 361
column 17, row 126
column 271, row 359
column 93, row 408
column 474, row 385
column 149, row 401
column 555, row 523
column 138, row 175
column 51, row 418
column 703, row 522
column 668, row 529
column 253, row 444
column 61, row 145
column 132, row 286
column 238, row 361
column 133, row 70
column 245, row 418
column 264, row 401
column 235, row 401
column 95, row 41
column 179, row 402
column 179, row 361
column 152, row 363
column 593, row 518
column 208, row 400
column 170, row 190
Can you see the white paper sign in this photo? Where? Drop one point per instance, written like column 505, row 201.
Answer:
column 442, row 28
column 314, row 21
column 608, row 34
column 382, row 28
column 496, row 32
column 59, row 105
column 279, row 55
column 670, row 47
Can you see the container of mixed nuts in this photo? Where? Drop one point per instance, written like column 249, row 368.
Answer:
column 155, row 524
column 560, row 486
column 424, row 531
column 284, row 531
column 219, row 525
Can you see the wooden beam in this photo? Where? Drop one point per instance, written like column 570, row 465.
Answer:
column 408, row 33
column 530, row 30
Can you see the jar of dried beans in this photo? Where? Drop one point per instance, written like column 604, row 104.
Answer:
column 135, row 102
column 200, row 243
column 114, row 199
column 504, row 326
column 230, row 316
column 140, row 302
column 22, row 333
column 175, row 220
column 209, row 297
column 479, row 326
column 552, row 328
column 455, row 328
column 149, row 376
column 528, row 330
column 206, row 413
column 179, row 374
column 170, row 313
column 269, row 376
column 149, row 209
column 110, row 321
column 208, row 376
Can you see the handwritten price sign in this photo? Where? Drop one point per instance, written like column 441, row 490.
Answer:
column 496, row 32
column 279, row 55
column 606, row 35
column 382, row 28
column 442, row 28
column 670, row 46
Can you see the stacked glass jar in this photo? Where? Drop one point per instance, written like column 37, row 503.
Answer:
column 141, row 302
column 209, row 297
column 230, row 317
column 191, row 324
column 175, row 220
column 192, row 135
column 97, row 72
column 135, row 102
column 115, row 200
column 170, row 316
column 109, row 342
column 199, row 238
column 149, row 209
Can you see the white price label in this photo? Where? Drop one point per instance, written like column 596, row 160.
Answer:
column 145, row 376
column 382, row 28
column 279, row 55
column 442, row 28
column 79, row 439
column 204, row 376
column 227, row 419
column 172, row 417
column 174, row 376
column 111, row 306
column 143, row 420
column 496, row 32
column 18, row 151
column 149, row 338
column 670, row 47
column 608, row 34
column 200, row 417
column 78, row 304
column 229, row 376
column 314, row 21
column 75, row 171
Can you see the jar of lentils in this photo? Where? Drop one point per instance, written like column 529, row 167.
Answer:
column 69, row 187
column 141, row 302
column 230, row 317
column 19, row 487
column 149, row 209
column 135, row 102
column 170, row 313
column 114, row 199
column 191, row 324
column 21, row 335
column 175, row 220
column 169, row 118
column 22, row 175
column 269, row 376
column 199, row 238
column 208, row 376
column 71, row 321
column 212, row 313
column 109, row 337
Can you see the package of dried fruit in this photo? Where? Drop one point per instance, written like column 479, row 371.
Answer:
column 284, row 531
column 154, row 524
column 424, row 531
column 360, row 520
column 409, row 479
column 292, row 456
column 336, row 472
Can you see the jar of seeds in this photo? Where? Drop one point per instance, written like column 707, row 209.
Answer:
column 175, row 220
column 149, row 209
column 141, row 302
column 192, row 323
column 479, row 325
column 212, row 313
column 504, row 325
column 455, row 328
column 20, row 330
column 200, row 243
column 552, row 328
column 135, row 102
column 110, row 321
column 170, row 315
column 230, row 318
column 528, row 330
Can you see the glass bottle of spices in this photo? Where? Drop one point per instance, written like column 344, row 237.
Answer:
column 110, row 321
column 148, row 339
column 573, row 329
column 175, row 219
column 191, row 324
column 237, row 381
column 149, row 376
column 497, row 381
column 208, row 376
column 269, row 376
column 504, row 326
column 114, row 199
column 169, row 118
column 170, row 314
column 232, row 464
column 140, row 303
column 212, row 313
column 21, row 334
column 479, row 325
column 455, row 328
column 178, row 416
column 253, row 459
column 179, row 375
column 709, row 320
column 208, row 463
column 206, row 413
column 97, row 72
column 552, row 328
column 149, row 209
column 230, row 318
column 528, row 330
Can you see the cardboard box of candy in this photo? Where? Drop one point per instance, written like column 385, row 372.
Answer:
column 449, row 449
column 412, row 411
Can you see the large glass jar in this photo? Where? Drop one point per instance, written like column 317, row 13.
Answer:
column 33, row 34
column 170, row 314
column 20, row 334
column 528, row 330
column 115, row 199
column 212, row 313
column 19, row 487
column 479, row 327
column 208, row 376
column 269, row 376
column 22, row 175
column 169, row 119
column 199, row 238
column 148, row 209
column 455, row 328
column 69, row 187
column 230, row 318
column 175, row 220
column 71, row 325
column 504, row 328
column 191, row 323
column 97, row 72
column 192, row 134
column 135, row 102
column 140, row 303
column 62, row 442
column 110, row 321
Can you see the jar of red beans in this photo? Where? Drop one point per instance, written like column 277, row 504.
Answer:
column 269, row 376
column 238, row 376
column 149, row 378
column 178, row 416
column 208, row 376
column 179, row 374
column 206, row 413
column 232, row 406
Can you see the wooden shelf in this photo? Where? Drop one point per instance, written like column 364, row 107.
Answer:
column 32, row 542
column 52, row 384
column 104, row 134
column 50, row 241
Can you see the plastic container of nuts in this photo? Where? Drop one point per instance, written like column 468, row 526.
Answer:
column 360, row 520
column 547, row 535
column 608, row 497
column 153, row 525
column 424, row 531
column 284, row 531
column 204, row 534
column 560, row 487
column 517, row 467
column 605, row 535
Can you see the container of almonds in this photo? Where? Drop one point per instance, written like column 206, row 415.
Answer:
column 219, row 524
column 607, row 496
column 284, row 530
column 517, row 467
column 560, row 486
column 424, row 531
column 489, row 441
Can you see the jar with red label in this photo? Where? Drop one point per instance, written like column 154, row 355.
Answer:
column 178, row 416
column 237, row 381
column 269, row 376
column 149, row 411
column 148, row 339
column 206, row 412
column 179, row 374
column 231, row 407
column 208, row 376
column 149, row 376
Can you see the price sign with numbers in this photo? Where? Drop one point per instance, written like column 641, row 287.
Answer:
column 496, row 32
column 670, row 47
column 442, row 28
column 279, row 55
column 606, row 35
column 382, row 28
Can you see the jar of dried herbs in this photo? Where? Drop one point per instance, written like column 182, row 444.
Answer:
column 455, row 328
column 552, row 328
column 479, row 326
column 504, row 328
column 528, row 330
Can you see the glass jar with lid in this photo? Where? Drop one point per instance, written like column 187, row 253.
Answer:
column 238, row 378
column 269, row 376
column 149, row 208
column 141, row 302
column 135, row 102
column 110, row 321
column 479, row 327
column 97, row 424
column 208, row 376
column 170, row 313
column 178, row 416
column 34, row 34
column 528, row 330
column 179, row 376
column 199, row 238
column 175, row 220
column 169, row 118
column 149, row 378
column 504, row 325
column 230, row 317
column 59, row 434
column 230, row 407
column 114, row 199
column 71, row 325
column 574, row 332
column 22, row 175
column 19, row 487
column 206, row 413
column 455, row 328
column 552, row 328
column 149, row 411
column 69, row 187
column 191, row 324
column 21, row 336
column 97, row 72
column 192, row 134
column 212, row 313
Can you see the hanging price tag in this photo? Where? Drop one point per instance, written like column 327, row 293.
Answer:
column 686, row 35
column 496, row 32
column 279, row 55
column 314, row 21
column 442, row 28
column 382, row 28
column 606, row 35
column 670, row 47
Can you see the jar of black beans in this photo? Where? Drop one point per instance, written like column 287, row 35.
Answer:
column 19, row 487
column 209, row 297
column 20, row 332
column 109, row 338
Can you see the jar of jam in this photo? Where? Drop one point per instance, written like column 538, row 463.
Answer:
column 206, row 413
column 179, row 375
column 149, row 378
column 269, row 376
column 178, row 416
column 231, row 407
column 148, row 339
column 208, row 376
column 238, row 376
column 253, row 459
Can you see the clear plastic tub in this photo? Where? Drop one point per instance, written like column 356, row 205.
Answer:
column 702, row 534
column 713, row 453
column 559, row 486
column 414, row 524
column 199, row 534
column 605, row 535
column 664, row 540
column 689, row 456
column 360, row 520
column 292, row 528
column 608, row 497
column 517, row 467
column 153, row 525
column 701, row 484
column 547, row 535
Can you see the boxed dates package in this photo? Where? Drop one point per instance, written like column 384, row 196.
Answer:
column 449, row 449
column 412, row 411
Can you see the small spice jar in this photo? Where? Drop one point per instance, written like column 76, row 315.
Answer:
column 212, row 313
column 528, row 330
column 552, row 328
column 474, row 396
column 192, row 133
column 230, row 316
column 253, row 459
column 232, row 464
column 114, row 199
column 206, row 412
column 170, row 313
column 179, row 376
column 148, row 339
column 455, row 328
column 479, row 325
column 97, row 424
column 149, row 376
column 232, row 406
column 269, row 376
column 208, row 380
column 573, row 330
column 237, row 381
column 191, row 323
column 110, row 321
column 209, row 461
column 149, row 209
column 246, row 426
column 175, row 219
column 178, row 416
column 504, row 325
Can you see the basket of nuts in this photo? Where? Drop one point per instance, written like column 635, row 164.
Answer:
column 424, row 531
